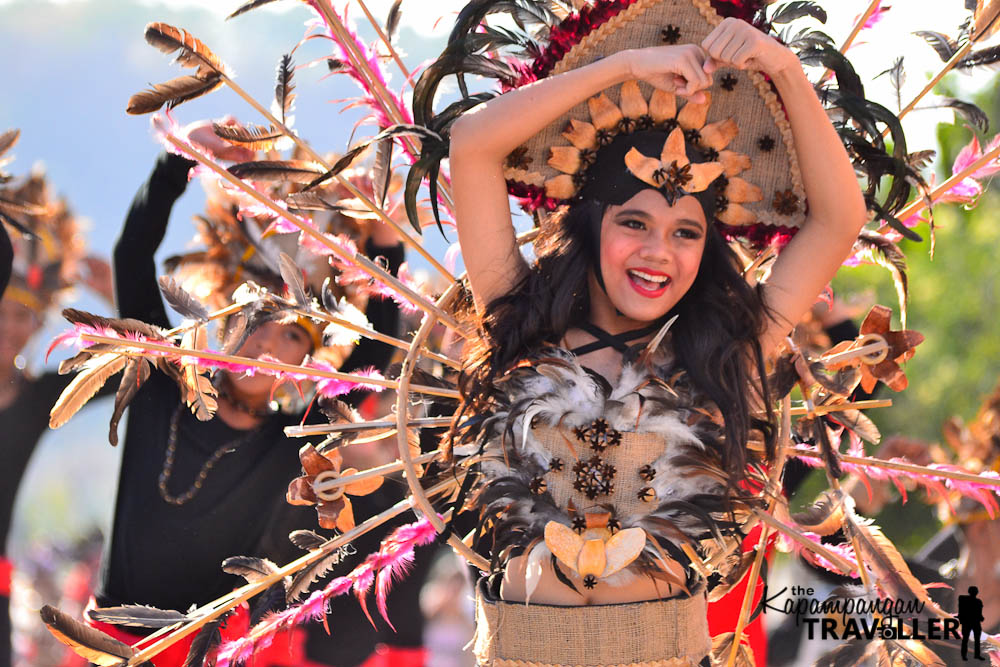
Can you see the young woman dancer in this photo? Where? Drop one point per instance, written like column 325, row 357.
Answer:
column 616, row 454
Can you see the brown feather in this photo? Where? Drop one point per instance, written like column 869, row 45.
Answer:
column 172, row 93
column 87, row 642
column 137, row 371
column 11, row 207
column 296, row 171
column 123, row 326
column 8, row 139
column 84, row 386
column 200, row 393
column 254, row 137
column 192, row 52
column 985, row 19
column 722, row 646
column 824, row 517
column 891, row 573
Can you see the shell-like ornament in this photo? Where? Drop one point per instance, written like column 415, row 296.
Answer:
column 662, row 106
column 604, row 113
column 719, row 134
column 740, row 190
column 633, row 104
column 693, row 115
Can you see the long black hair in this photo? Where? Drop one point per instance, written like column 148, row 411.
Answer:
column 715, row 339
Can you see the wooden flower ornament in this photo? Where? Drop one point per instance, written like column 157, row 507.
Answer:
column 672, row 171
column 676, row 175
column 321, row 486
column 883, row 365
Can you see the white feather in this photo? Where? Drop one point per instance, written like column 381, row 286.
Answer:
column 533, row 569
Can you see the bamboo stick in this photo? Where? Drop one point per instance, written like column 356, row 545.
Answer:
column 385, row 39
column 859, row 25
column 918, row 205
column 402, row 407
column 872, row 349
column 948, row 66
column 381, row 91
column 376, row 335
column 818, row 549
column 388, row 469
column 173, row 634
column 904, row 467
column 364, row 263
column 404, row 236
column 741, row 623
column 259, row 363
column 783, row 441
column 306, row 430
column 838, row 407
column 222, row 312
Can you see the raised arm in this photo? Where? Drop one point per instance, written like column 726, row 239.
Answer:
column 836, row 206
column 482, row 139
column 136, row 292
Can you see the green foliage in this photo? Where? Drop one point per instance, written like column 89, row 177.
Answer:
column 954, row 301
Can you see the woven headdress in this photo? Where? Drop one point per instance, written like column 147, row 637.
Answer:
column 742, row 111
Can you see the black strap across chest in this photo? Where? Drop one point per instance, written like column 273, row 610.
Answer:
column 616, row 341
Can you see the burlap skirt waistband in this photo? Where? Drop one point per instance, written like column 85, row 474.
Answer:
column 659, row 633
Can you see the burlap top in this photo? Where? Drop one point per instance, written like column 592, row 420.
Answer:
column 634, row 451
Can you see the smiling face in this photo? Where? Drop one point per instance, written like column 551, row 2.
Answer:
column 650, row 255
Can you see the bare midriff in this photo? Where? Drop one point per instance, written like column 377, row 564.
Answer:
column 552, row 591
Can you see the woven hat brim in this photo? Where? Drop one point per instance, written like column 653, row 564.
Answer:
column 745, row 96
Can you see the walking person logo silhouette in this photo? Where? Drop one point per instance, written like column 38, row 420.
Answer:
column 970, row 615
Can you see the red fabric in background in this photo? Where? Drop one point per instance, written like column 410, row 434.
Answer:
column 723, row 614
column 6, row 573
column 287, row 649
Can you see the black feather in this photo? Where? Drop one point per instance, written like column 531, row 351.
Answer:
column 138, row 616
column 249, row 6
column 91, row 643
column 208, row 637
column 897, row 76
column 305, row 577
column 944, row 45
column 989, row 56
column 249, row 567
column 392, row 19
column 181, row 300
column 284, row 85
column 355, row 151
column 382, row 170
column 307, row 540
column 788, row 12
